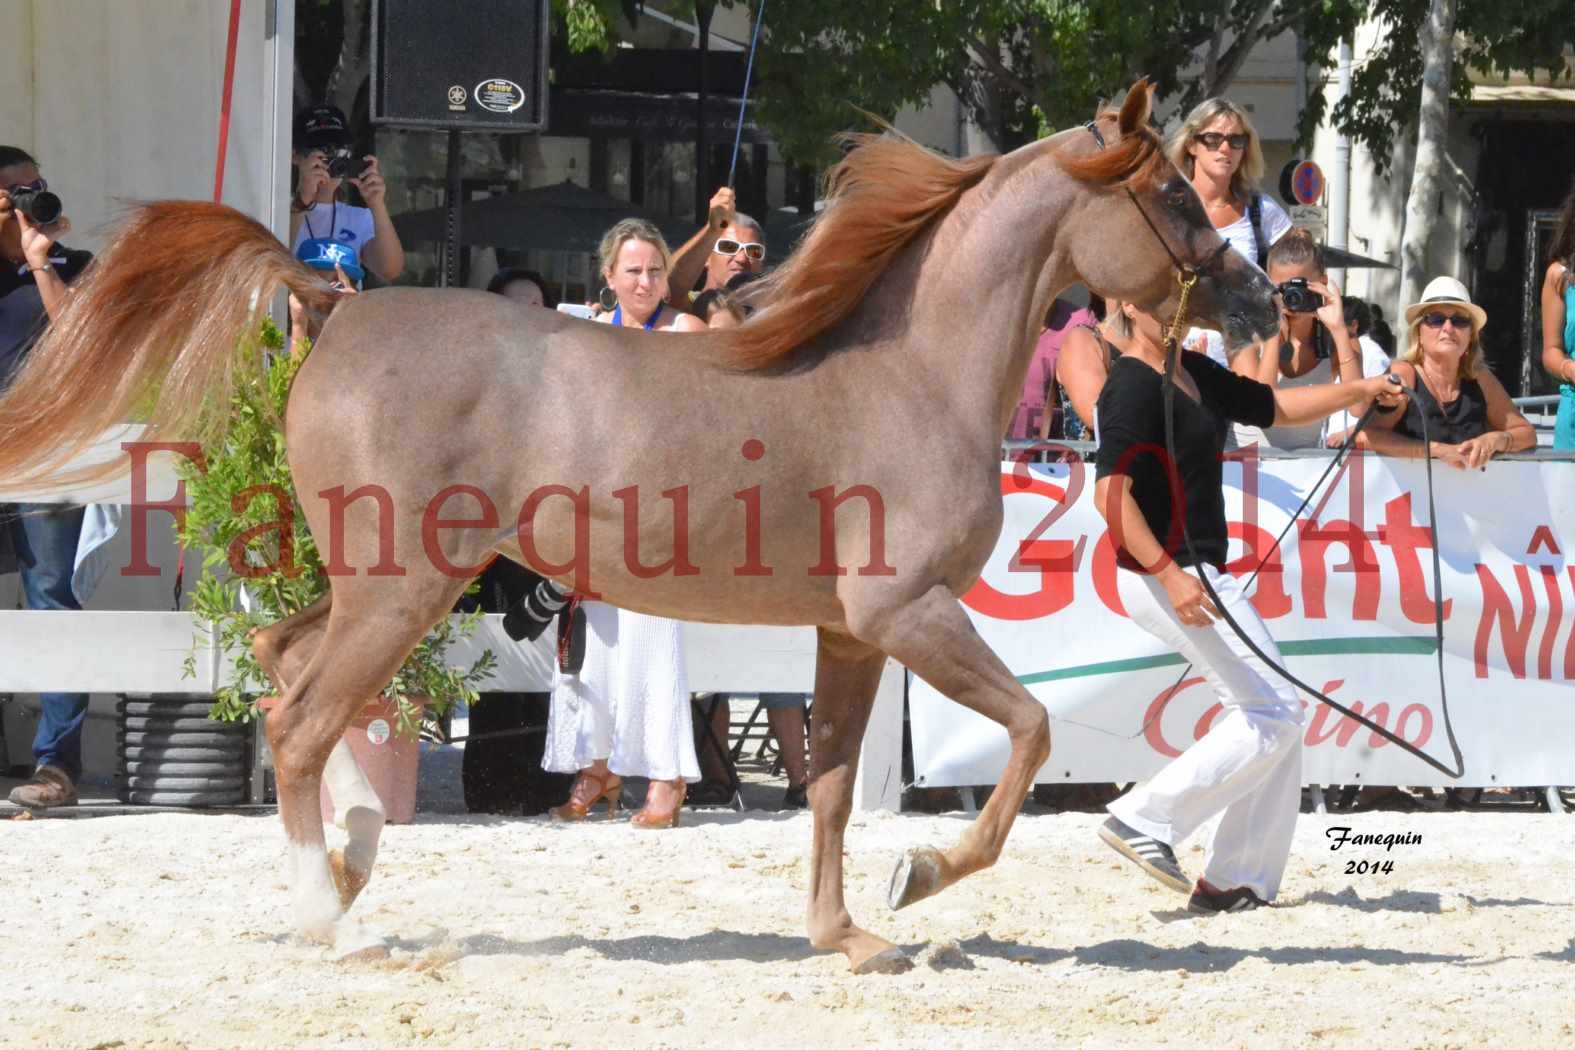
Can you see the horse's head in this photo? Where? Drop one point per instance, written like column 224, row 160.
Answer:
column 1140, row 224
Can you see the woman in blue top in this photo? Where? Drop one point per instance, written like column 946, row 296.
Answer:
column 1558, row 321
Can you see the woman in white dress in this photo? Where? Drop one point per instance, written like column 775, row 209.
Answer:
column 626, row 713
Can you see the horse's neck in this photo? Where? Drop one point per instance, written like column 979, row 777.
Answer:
column 981, row 285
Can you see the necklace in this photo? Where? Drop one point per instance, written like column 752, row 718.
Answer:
column 650, row 323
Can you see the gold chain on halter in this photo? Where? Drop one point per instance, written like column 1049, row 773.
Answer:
column 1186, row 278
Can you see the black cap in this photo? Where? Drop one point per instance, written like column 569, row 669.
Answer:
column 321, row 126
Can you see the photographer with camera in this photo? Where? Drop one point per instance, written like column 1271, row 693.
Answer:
column 1314, row 345
column 44, row 536
column 325, row 161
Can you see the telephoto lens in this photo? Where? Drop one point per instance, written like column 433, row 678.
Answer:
column 41, row 206
column 530, row 615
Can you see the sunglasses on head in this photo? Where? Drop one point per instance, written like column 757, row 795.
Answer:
column 1213, row 139
column 753, row 249
column 1436, row 320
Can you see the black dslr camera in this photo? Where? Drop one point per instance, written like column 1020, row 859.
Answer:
column 1298, row 298
column 341, row 161
column 37, row 203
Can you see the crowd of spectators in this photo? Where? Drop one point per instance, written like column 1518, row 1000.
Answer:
column 1324, row 336
column 644, row 728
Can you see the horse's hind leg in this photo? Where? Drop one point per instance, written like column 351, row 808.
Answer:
column 931, row 635
column 847, row 673
column 367, row 637
column 283, row 650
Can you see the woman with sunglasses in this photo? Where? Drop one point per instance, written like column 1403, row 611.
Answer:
column 1217, row 149
column 1470, row 417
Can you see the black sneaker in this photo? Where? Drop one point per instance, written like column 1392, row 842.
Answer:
column 1148, row 853
column 1206, row 900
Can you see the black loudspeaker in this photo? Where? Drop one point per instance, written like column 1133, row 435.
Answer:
column 460, row 64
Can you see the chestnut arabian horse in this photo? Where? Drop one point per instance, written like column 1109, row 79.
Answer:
column 832, row 462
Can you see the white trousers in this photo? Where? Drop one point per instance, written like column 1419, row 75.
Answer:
column 630, row 702
column 1247, row 769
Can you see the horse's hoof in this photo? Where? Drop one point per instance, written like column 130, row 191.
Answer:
column 917, row 876
column 356, row 943
column 893, row 960
column 371, row 953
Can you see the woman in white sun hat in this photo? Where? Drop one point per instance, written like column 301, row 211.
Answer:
column 1470, row 417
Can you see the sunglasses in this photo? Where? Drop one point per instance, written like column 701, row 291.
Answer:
column 1436, row 320
column 37, row 185
column 1213, row 139
column 753, row 249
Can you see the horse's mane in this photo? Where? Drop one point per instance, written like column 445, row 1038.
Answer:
column 878, row 198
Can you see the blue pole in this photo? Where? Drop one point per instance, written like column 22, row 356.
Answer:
column 749, row 69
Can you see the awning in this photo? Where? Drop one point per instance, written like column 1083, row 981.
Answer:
column 1523, row 95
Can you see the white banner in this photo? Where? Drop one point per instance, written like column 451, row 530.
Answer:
column 1348, row 598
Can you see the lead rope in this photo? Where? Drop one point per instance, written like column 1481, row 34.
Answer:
column 1172, row 356
column 1187, row 277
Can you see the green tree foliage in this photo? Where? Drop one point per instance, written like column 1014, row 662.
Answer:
column 1021, row 67
column 1495, row 38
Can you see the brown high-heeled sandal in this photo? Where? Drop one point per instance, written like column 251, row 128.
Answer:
column 589, row 789
column 654, row 819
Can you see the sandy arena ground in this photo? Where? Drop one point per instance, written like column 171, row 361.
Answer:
column 173, row 931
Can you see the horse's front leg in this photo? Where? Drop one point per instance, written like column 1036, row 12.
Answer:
column 847, row 673
column 931, row 635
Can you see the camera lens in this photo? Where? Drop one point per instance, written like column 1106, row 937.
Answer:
column 531, row 614
column 339, row 166
column 41, row 206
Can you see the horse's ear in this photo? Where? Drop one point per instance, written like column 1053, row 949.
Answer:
column 1135, row 110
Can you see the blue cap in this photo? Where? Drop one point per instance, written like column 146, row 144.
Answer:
column 323, row 253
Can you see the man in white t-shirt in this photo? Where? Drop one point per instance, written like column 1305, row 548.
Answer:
column 324, row 160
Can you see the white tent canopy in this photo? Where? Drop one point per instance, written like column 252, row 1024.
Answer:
column 119, row 102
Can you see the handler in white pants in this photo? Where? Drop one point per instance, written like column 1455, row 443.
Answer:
column 1247, row 769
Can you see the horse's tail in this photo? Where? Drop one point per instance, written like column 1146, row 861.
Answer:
column 149, row 333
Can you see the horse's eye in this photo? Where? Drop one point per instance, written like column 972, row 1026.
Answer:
column 1176, row 199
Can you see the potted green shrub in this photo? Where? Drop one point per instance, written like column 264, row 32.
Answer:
column 236, row 518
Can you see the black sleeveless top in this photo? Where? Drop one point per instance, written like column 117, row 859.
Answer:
column 1461, row 419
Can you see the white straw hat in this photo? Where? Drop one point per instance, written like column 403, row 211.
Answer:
column 1442, row 290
